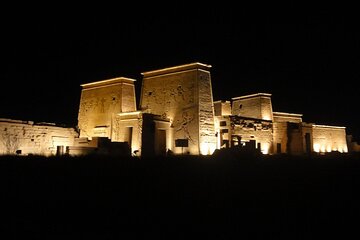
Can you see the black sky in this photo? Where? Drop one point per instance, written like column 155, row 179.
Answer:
column 307, row 58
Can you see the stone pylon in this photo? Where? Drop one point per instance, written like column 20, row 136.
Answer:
column 100, row 101
column 183, row 94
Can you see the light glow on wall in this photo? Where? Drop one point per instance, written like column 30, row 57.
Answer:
column 323, row 148
column 328, row 148
column 316, row 147
column 329, row 139
column 135, row 147
column 342, row 149
column 265, row 148
column 207, row 148
column 267, row 116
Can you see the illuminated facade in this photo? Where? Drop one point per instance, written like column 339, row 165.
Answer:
column 176, row 114
column 27, row 137
column 252, row 122
column 182, row 94
column 176, row 111
column 101, row 101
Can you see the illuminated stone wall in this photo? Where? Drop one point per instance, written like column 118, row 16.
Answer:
column 259, row 131
column 184, row 95
column 287, row 117
column 222, row 108
column 280, row 137
column 207, row 136
column 253, row 106
column 329, row 138
column 295, row 140
column 223, row 131
column 176, row 106
column 100, row 101
column 287, row 133
column 163, row 137
column 127, row 127
column 145, row 133
column 26, row 137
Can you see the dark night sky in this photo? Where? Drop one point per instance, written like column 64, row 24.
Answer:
column 307, row 58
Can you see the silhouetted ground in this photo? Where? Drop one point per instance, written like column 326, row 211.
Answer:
column 186, row 197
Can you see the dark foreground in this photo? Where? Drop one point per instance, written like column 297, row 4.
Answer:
column 263, row 197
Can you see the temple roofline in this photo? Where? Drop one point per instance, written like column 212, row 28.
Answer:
column 108, row 82
column 179, row 68
column 222, row 101
column 327, row 126
column 252, row 95
column 285, row 114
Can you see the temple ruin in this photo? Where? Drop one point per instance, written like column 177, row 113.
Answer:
column 176, row 113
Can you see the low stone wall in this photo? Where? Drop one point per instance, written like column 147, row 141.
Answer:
column 329, row 138
column 26, row 137
column 260, row 131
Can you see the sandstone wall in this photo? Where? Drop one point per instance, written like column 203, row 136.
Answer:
column 257, row 106
column 280, row 130
column 222, row 108
column 248, row 129
column 287, row 117
column 175, row 97
column 329, row 138
column 295, row 139
column 223, row 131
column 292, row 136
column 100, row 101
column 182, row 94
column 26, row 137
column 127, row 127
column 206, row 114
column 247, row 108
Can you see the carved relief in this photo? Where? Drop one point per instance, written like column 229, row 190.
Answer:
column 11, row 142
column 97, row 105
column 114, row 98
column 102, row 105
column 183, row 125
column 116, row 128
column 140, row 125
column 178, row 93
column 163, row 99
column 83, row 118
column 249, row 124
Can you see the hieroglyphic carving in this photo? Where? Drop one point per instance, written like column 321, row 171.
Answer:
column 183, row 126
column 178, row 93
column 83, row 119
column 11, row 142
column 114, row 97
column 116, row 128
column 140, row 125
column 102, row 105
column 250, row 124
column 97, row 107
column 169, row 97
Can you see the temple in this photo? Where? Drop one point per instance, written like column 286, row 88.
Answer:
column 176, row 114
